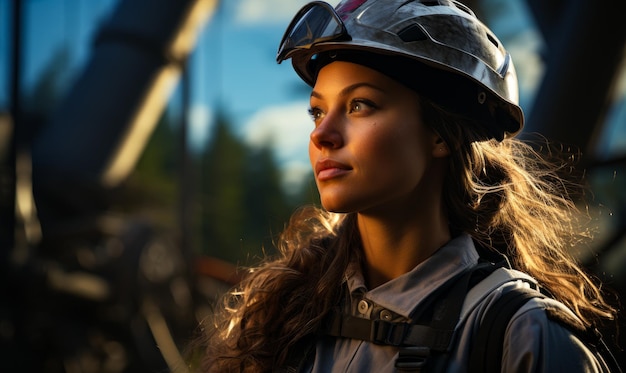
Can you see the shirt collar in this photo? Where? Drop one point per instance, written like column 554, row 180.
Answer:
column 403, row 294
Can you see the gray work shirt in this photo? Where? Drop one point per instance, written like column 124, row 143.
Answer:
column 533, row 343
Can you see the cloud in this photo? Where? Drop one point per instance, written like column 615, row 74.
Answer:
column 286, row 130
column 269, row 11
column 200, row 124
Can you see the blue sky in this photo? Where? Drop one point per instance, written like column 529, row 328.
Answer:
column 235, row 68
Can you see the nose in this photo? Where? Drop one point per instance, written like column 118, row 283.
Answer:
column 327, row 134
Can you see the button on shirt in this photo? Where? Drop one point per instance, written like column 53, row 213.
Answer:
column 538, row 345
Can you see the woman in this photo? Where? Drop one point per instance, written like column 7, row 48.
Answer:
column 420, row 179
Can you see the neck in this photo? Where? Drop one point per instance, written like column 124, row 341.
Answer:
column 393, row 245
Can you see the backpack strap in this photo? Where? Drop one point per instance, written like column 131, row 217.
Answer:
column 486, row 356
column 489, row 283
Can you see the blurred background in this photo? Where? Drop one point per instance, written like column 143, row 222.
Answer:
column 150, row 149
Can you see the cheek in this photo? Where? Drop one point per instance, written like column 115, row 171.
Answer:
column 379, row 154
column 404, row 148
column 389, row 140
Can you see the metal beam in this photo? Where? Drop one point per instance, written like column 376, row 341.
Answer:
column 92, row 142
column 585, row 51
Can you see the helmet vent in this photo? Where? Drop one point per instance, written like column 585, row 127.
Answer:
column 492, row 40
column 463, row 8
column 412, row 33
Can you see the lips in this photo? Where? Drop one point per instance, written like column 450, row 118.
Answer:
column 327, row 169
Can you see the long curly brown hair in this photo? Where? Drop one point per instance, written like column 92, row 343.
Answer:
column 506, row 195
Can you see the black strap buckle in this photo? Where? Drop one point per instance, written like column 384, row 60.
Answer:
column 388, row 333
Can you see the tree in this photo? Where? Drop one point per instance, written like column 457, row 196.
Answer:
column 151, row 188
column 243, row 204
column 266, row 205
column 222, row 194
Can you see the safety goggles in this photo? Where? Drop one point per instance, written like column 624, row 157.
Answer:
column 316, row 22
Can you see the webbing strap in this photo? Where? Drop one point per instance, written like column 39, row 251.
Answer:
column 433, row 331
column 389, row 333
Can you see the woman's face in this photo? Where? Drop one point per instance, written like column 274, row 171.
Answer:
column 369, row 149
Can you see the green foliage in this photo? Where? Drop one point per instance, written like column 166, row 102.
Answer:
column 152, row 188
column 239, row 206
column 243, row 205
column 222, row 192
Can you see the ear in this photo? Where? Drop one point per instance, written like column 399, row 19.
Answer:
column 440, row 148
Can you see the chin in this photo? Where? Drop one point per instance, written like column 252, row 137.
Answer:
column 332, row 207
column 337, row 207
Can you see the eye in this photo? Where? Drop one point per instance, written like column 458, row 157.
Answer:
column 315, row 113
column 360, row 106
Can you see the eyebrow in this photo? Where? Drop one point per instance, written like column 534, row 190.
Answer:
column 349, row 89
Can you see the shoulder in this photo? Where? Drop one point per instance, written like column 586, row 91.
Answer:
column 543, row 336
column 549, row 312
column 539, row 307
